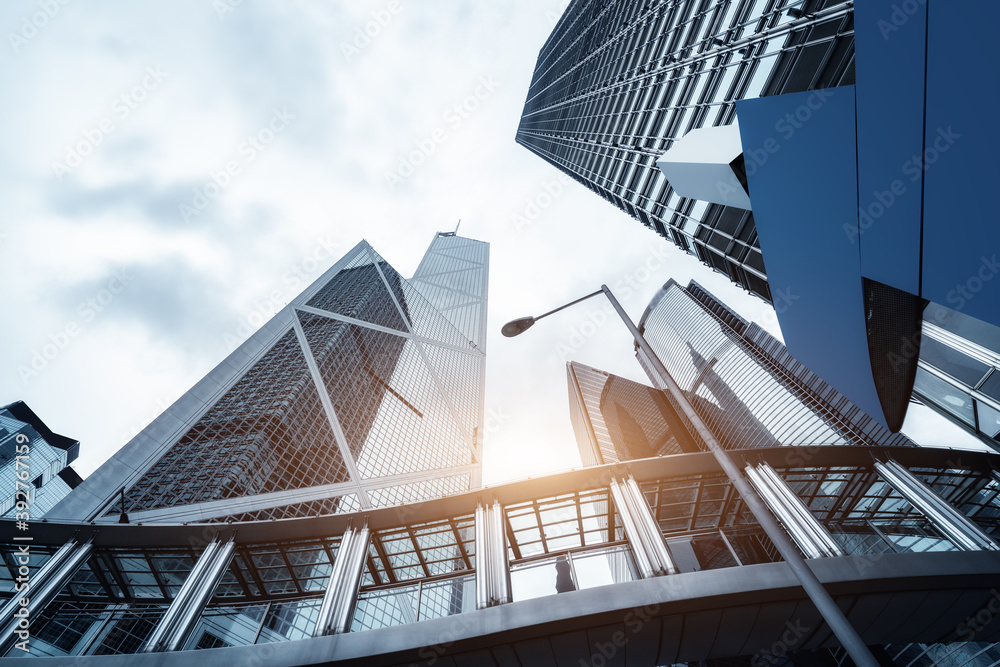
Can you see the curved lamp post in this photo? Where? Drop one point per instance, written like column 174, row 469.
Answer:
column 820, row 597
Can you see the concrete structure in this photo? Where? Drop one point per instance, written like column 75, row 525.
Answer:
column 707, row 164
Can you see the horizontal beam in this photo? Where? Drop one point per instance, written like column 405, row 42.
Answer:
column 637, row 607
column 666, row 467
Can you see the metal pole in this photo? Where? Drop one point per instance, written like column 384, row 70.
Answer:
column 831, row 613
column 571, row 303
column 196, row 603
column 821, row 537
column 646, row 516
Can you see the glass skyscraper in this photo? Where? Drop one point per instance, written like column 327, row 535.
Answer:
column 619, row 87
column 616, row 419
column 28, row 448
column 650, row 553
column 754, row 396
column 743, row 383
column 617, row 83
column 365, row 391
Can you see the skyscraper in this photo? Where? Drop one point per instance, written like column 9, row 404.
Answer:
column 617, row 83
column 742, row 381
column 365, row 391
column 616, row 419
column 656, row 560
column 31, row 453
column 687, row 115
column 652, row 561
column 753, row 395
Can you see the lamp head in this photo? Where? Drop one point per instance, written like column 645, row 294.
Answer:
column 517, row 326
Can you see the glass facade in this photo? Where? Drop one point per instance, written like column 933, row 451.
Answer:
column 743, row 383
column 39, row 459
column 753, row 395
column 616, row 83
column 573, row 539
column 366, row 391
column 958, row 372
column 615, row 419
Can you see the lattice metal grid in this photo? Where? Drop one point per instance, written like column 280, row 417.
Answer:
column 742, row 382
column 396, row 388
column 548, row 525
column 421, row 551
column 268, row 433
column 453, row 277
column 862, row 511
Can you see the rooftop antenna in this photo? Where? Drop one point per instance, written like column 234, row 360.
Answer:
column 456, row 226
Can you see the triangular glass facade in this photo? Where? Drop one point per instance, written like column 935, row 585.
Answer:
column 365, row 390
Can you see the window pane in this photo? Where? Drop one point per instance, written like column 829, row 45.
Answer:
column 952, row 362
column 944, row 395
column 989, row 420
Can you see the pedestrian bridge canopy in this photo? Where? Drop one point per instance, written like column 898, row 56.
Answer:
column 652, row 562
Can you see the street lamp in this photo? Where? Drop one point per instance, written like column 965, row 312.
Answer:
column 520, row 325
column 831, row 613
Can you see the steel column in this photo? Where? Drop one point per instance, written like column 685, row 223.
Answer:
column 42, row 588
column 955, row 525
column 183, row 613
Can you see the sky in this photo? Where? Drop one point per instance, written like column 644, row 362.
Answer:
column 174, row 172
